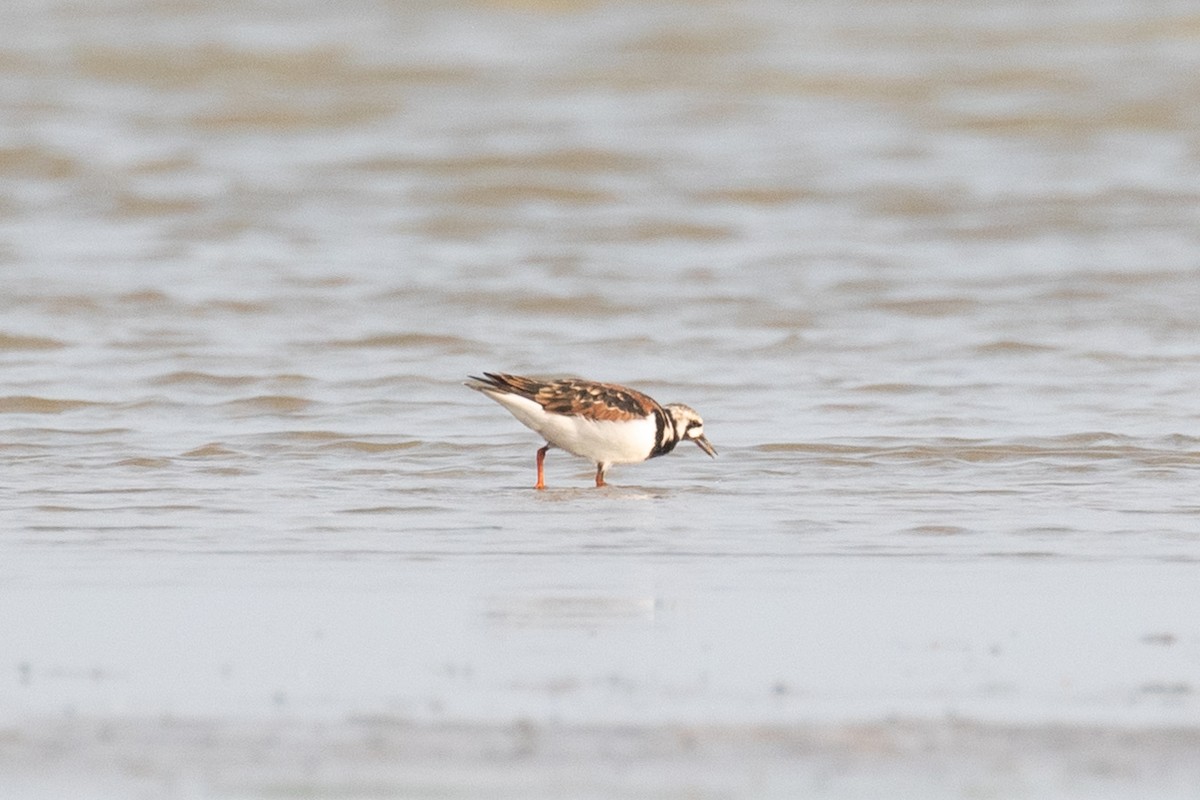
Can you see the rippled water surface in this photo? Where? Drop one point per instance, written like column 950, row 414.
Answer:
column 929, row 271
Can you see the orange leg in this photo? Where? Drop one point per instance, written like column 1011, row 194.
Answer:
column 600, row 476
column 541, row 458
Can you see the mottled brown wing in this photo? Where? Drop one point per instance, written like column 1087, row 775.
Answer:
column 576, row 397
column 606, row 401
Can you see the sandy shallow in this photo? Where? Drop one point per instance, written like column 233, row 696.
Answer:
column 392, row 758
column 324, row 675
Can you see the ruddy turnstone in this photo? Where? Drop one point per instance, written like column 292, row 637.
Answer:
column 604, row 422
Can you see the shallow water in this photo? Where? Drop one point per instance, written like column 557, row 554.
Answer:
column 928, row 271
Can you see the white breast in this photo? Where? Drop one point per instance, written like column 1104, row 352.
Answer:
column 605, row 441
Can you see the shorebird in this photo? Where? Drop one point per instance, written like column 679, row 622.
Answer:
column 603, row 422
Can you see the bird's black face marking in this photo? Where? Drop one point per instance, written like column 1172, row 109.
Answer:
column 689, row 426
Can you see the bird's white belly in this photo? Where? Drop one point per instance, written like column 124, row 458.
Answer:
column 608, row 441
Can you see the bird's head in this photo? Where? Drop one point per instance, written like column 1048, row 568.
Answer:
column 688, row 425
